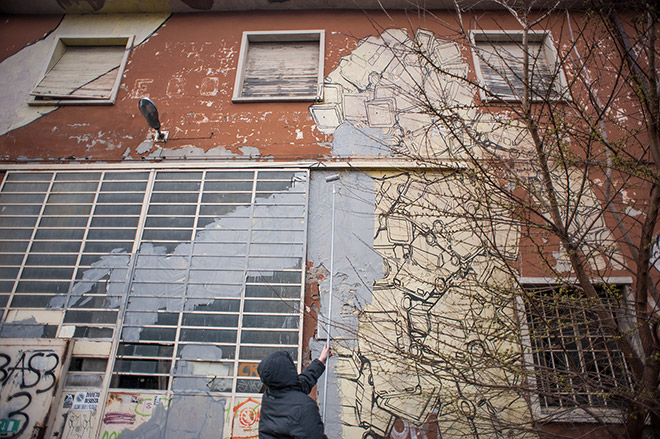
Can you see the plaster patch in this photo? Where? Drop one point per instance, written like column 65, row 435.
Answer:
column 192, row 152
column 250, row 151
column 145, row 147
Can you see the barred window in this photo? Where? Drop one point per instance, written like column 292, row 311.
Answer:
column 576, row 363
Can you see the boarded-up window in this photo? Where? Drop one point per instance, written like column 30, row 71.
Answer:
column 280, row 66
column 82, row 71
column 499, row 59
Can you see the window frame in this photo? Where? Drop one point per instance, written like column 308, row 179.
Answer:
column 278, row 36
column 59, row 48
column 290, row 212
column 499, row 36
column 560, row 414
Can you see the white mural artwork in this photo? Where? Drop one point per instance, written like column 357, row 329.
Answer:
column 430, row 318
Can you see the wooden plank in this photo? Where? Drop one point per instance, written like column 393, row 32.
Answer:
column 83, row 72
column 280, row 69
column 502, row 69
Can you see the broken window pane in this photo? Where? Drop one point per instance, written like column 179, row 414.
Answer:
column 211, row 320
column 274, row 291
column 259, row 321
column 98, row 317
column 139, row 382
column 145, row 350
column 88, row 364
column 207, row 335
column 272, row 306
column 269, row 337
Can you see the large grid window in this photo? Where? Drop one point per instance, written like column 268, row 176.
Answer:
column 576, row 363
column 199, row 273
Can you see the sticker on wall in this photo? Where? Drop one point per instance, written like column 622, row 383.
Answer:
column 86, row 401
column 68, row 401
column 245, row 424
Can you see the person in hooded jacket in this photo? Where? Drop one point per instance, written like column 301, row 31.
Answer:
column 286, row 409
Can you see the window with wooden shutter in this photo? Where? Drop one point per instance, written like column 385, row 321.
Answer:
column 499, row 61
column 83, row 71
column 280, row 66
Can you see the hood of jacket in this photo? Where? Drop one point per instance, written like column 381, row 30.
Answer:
column 277, row 371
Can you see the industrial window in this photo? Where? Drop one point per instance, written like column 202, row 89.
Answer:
column 499, row 62
column 577, row 365
column 280, row 66
column 198, row 274
column 83, row 71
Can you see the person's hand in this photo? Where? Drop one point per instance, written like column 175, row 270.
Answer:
column 325, row 354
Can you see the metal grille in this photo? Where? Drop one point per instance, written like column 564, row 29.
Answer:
column 577, row 364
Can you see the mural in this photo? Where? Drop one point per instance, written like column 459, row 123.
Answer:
column 429, row 317
column 432, row 322
column 372, row 99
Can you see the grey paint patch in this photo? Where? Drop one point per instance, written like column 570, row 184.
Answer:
column 250, row 151
column 28, row 328
column 152, row 429
column 169, row 273
column 356, row 264
column 195, row 352
column 145, row 147
column 188, row 417
column 357, row 139
column 195, row 416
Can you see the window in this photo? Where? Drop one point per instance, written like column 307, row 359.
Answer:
column 576, row 363
column 83, row 71
column 86, row 372
column 198, row 274
column 499, row 62
column 284, row 66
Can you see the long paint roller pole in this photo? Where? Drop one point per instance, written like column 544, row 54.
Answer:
column 332, row 271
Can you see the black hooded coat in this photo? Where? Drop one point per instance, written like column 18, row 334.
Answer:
column 286, row 410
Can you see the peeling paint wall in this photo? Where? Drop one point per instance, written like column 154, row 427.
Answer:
column 395, row 279
column 24, row 69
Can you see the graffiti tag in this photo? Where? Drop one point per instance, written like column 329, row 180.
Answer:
column 27, row 376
